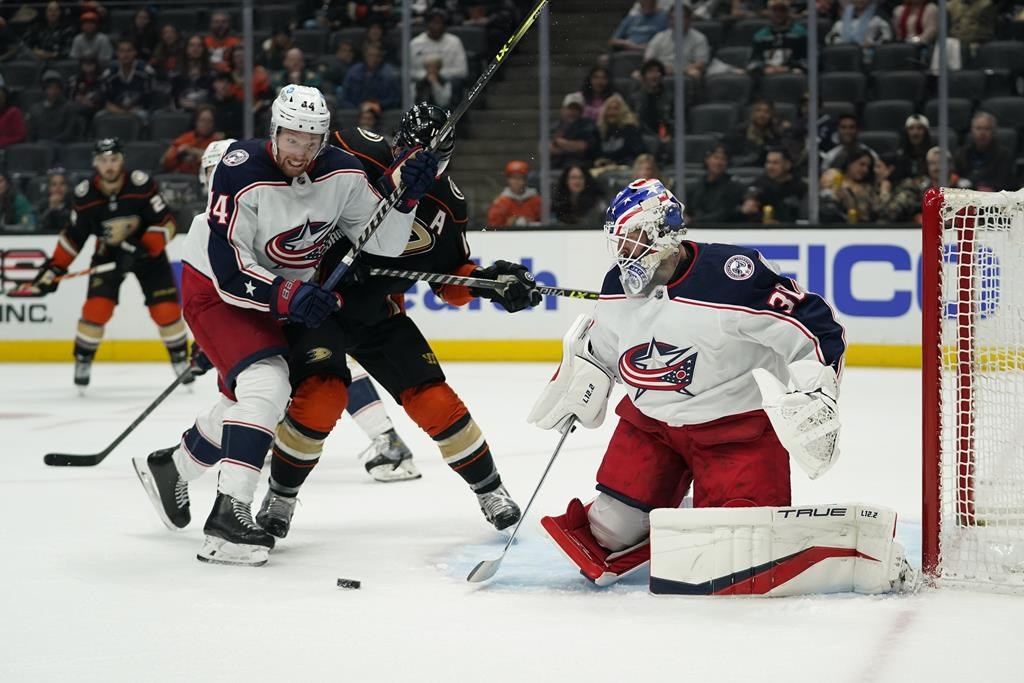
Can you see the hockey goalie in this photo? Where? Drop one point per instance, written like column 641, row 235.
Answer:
column 731, row 370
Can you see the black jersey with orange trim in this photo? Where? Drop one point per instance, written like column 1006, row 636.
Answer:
column 137, row 214
column 437, row 243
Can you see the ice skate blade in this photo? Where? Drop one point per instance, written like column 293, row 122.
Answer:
column 81, row 389
column 484, row 570
column 405, row 471
column 218, row 551
column 146, row 479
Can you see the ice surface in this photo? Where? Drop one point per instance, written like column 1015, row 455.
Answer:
column 94, row 588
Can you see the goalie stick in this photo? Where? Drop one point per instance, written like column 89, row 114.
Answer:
column 488, row 568
column 389, row 202
column 80, row 460
column 102, row 268
column 444, row 279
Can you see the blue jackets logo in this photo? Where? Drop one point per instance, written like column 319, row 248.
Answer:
column 658, row 366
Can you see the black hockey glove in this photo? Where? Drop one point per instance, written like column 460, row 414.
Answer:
column 46, row 280
column 200, row 362
column 519, row 292
column 127, row 256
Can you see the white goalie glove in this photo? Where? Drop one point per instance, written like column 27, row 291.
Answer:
column 580, row 387
column 804, row 414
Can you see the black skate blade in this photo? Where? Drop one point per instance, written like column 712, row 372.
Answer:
column 71, row 460
column 484, row 570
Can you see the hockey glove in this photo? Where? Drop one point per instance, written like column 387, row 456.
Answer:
column 45, row 281
column 417, row 170
column 126, row 257
column 200, row 362
column 302, row 302
column 519, row 292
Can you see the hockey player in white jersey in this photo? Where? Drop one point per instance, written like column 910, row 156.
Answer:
column 273, row 203
column 693, row 331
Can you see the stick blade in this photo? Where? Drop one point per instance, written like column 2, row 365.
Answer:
column 484, row 570
column 71, row 460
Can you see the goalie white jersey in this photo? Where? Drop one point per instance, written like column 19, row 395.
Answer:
column 262, row 225
column 686, row 352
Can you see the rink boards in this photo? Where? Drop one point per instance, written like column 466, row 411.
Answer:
column 871, row 277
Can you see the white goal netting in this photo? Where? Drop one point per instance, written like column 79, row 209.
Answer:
column 980, row 352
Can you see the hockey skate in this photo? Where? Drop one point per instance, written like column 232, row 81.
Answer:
column 165, row 487
column 232, row 536
column 83, row 372
column 499, row 508
column 275, row 515
column 179, row 363
column 389, row 459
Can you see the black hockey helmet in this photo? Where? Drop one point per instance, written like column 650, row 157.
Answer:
column 108, row 145
column 418, row 127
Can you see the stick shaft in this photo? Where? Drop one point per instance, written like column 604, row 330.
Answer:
column 445, row 279
column 102, row 268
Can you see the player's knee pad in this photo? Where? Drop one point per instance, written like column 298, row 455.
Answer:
column 616, row 525
column 98, row 310
column 165, row 313
column 318, row 403
column 261, row 394
column 436, row 408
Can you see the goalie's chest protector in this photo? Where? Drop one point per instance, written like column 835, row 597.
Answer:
column 685, row 353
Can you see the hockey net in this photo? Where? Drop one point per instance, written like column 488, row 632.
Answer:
column 973, row 378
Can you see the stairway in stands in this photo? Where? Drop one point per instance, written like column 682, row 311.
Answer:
column 508, row 126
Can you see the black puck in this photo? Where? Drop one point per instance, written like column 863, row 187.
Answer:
column 348, row 583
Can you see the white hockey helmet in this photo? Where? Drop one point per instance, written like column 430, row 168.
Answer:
column 211, row 157
column 300, row 108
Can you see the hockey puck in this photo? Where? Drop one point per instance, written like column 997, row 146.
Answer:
column 348, row 583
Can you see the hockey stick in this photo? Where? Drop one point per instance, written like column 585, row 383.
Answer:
column 75, row 460
column 102, row 268
column 488, row 568
column 389, row 202
column 443, row 279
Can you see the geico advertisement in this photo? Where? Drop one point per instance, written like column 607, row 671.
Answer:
column 870, row 276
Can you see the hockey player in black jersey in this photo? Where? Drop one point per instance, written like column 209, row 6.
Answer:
column 132, row 225
column 373, row 328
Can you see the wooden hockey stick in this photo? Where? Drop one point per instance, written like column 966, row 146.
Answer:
column 488, row 568
column 21, row 290
column 500, row 285
column 389, row 202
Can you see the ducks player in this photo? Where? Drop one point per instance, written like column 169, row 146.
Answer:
column 132, row 225
column 693, row 331
column 387, row 343
column 272, row 204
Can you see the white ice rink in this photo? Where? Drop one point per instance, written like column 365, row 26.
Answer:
column 94, row 588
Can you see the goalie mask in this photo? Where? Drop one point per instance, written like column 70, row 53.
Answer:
column 303, row 109
column 644, row 226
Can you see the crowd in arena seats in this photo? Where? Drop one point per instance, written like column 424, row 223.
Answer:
column 167, row 78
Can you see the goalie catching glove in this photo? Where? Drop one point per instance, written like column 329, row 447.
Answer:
column 804, row 414
column 580, row 387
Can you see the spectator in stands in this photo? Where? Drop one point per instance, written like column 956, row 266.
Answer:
column 574, row 139
column 860, row 25
column 635, row 31
column 219, row 41
column 750, row 141
column 12, row 121
column 275, row 47
column 780, row 47
column 437, row 41
column 128, row 84
column 518, row 204
column 654, row 104
column 227, row 106
column 54, row 210
column 596, row 88
column 981, row 160
column 905, row 202
column 915, row 142
column 15, row 210
column 972, row 22
column 847, row 143
column 696, row 48
column 916, row 21
column 375, row 36
column 169, row 53
column 578, row 199
column 646, row 166
column 90, row 42
column 52, row 36
column 716, row 198
column 192, row 80
column 369, row 117
column 9, row 44
column 434, row 88
column 143, row 32
column 261, row 93
column 777, row 196
column 86, row 88
column 294, row 72
column 186, row 151
column 620, row 139
column 497, row 18
column 367, row 12
column 333, row 69
column 372, row 79
column 53, row 119
column 857, row 194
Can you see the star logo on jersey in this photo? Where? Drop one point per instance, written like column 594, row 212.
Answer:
column 250, row 288
column 658, row 366
column 301, row 247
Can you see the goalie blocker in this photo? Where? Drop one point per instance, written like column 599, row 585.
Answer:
column 778, row 551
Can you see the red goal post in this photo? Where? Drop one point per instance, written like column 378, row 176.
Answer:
column 973, row 388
